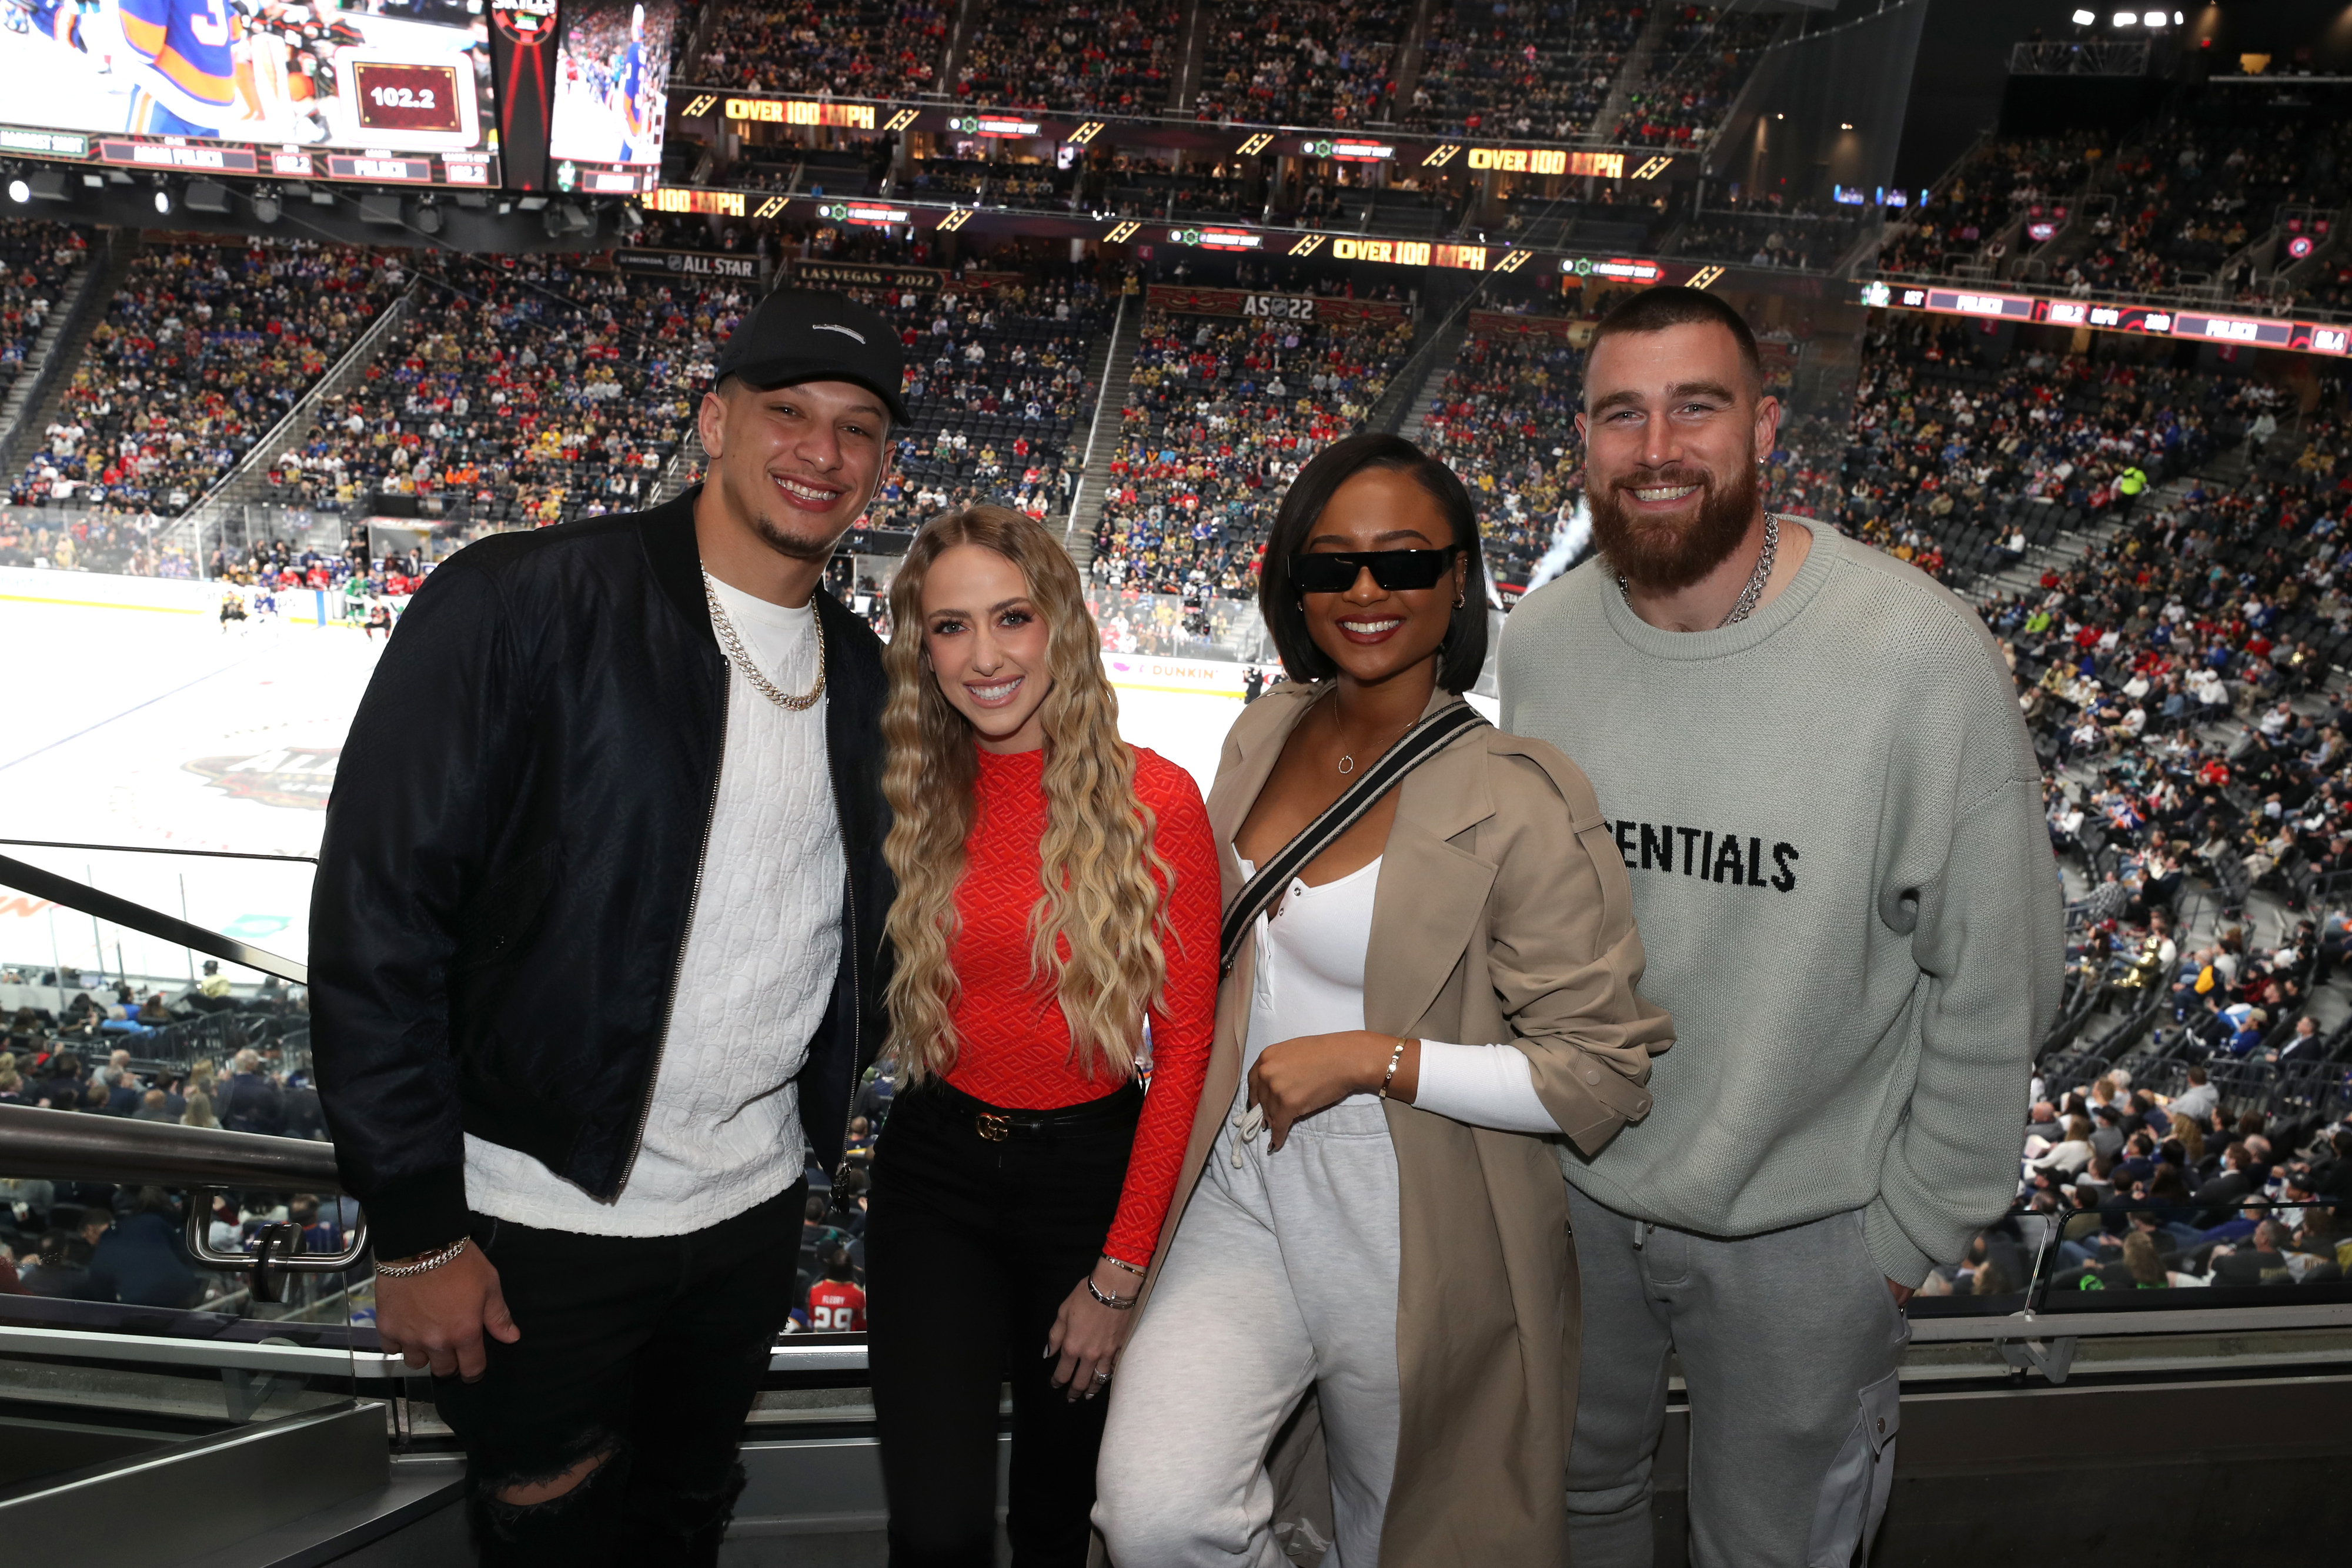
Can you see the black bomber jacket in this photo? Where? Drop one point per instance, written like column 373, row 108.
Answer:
column 512, row 852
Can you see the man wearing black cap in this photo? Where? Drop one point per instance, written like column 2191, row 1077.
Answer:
column 596, row 953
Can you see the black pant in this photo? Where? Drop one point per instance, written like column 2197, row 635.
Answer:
column 647, row 1350
column 971, row 1246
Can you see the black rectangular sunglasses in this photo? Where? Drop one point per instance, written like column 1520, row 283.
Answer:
column 1334, row 572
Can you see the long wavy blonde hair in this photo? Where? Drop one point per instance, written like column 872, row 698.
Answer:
column 1095, row 931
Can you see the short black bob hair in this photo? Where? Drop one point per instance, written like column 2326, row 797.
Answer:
column 1464, row 653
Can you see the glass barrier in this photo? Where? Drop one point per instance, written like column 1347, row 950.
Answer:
column 130, row 1034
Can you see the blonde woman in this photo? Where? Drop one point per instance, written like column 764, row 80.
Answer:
column 1057, row 888
column 1441, row 994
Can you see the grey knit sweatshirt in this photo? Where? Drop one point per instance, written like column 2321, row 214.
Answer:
column 1831, row 816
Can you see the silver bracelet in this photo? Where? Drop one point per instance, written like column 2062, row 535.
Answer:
column 423, row 1265
column 1116, row 1303
column 1136, row 1269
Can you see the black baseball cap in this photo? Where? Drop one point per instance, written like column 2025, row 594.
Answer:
column 811, row 335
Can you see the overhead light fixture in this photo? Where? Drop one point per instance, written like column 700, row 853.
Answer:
column 162, row 202
column 49, row 185
column 2153, row 19
column 207, row 196
column 266, row 209
column 428, row 216
column 20, row 190
column 2085, row 18
column 2176, row 18
column 1845, row 125
column 2125, row 18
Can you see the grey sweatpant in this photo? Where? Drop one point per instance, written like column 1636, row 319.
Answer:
column 1789, row 1344
column 1283, row 1277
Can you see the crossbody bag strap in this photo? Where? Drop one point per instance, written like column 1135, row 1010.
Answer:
column 1419, row 744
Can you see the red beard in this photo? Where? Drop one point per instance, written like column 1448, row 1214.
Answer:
column 1661, row 556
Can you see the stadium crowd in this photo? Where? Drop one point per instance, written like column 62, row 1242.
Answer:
column 871, row 48
column 1524, row 67
column 203, row 1057
column 203, row 348
column 38, row 263
column 1506, row 423
column 1695, row 73
column 1302, row 62
column 1071, row 54
column 1941, row 443
column 2006, row 181
column 1221, row 413
column 997, row 392
column 518, row 393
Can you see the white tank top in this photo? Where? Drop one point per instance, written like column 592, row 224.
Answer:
column 1310, row 962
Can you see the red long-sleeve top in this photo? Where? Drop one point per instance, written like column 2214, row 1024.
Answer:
column 1014, row 1043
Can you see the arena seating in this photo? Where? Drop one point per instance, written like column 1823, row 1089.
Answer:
column 1143, row 186
column 1693, row 76
column 1801, row 237
column 871, row 48
column 519, row 394
column 1068, row 53
column 997, row 393
column 2192, row 196
column 1977, row 216
column 1506, row 423
column 37, row 261
column 1525, row 67
column 1320, row 62
column 203, row 348
column 1221, row 411
column 1949, row 456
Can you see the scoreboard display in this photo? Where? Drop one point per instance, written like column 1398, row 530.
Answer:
column 407, row 97
column 2153, row 320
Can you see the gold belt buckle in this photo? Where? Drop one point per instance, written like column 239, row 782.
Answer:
column 993, row 1126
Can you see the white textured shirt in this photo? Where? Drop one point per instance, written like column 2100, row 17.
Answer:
column 762, row 945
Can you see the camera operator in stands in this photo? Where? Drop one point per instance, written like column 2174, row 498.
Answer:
column 513, row 931
column 1830, row 808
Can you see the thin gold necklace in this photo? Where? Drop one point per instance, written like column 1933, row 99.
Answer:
column 1347, row 758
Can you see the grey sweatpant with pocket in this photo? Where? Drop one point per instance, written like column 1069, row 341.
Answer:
column 1789, row 1344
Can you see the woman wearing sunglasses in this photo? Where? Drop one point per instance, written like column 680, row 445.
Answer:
column 1375, row 1211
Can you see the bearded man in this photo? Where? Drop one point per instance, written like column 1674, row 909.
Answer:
column 1829, row 811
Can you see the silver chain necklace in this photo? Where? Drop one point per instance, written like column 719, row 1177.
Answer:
column 740, row 656
column 1745, row 603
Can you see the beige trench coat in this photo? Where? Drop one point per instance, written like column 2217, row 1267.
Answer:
column 1502, row 914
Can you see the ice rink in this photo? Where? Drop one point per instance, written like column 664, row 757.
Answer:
column 144, row 725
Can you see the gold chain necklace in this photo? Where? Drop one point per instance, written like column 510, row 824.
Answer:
column 740, row 656
column 1347, row 763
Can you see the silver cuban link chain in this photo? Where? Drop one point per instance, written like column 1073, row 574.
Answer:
column 1745, row 603
column 740, row 656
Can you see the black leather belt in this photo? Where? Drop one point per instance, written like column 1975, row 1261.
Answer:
column 1121, row 1106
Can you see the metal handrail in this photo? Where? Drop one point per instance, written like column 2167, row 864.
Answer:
column 79, row 1147
column 75, row 896
column 73, row 1146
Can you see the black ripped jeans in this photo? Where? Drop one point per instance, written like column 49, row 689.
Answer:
column 972, row 1245
column 646, row 1350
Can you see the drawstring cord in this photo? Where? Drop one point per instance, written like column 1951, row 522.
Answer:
column 1248, row 1124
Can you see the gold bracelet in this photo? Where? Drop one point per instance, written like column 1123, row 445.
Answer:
column 1390, row 1076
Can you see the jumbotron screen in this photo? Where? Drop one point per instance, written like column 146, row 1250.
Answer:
column 611, row 95
column 396, row 93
